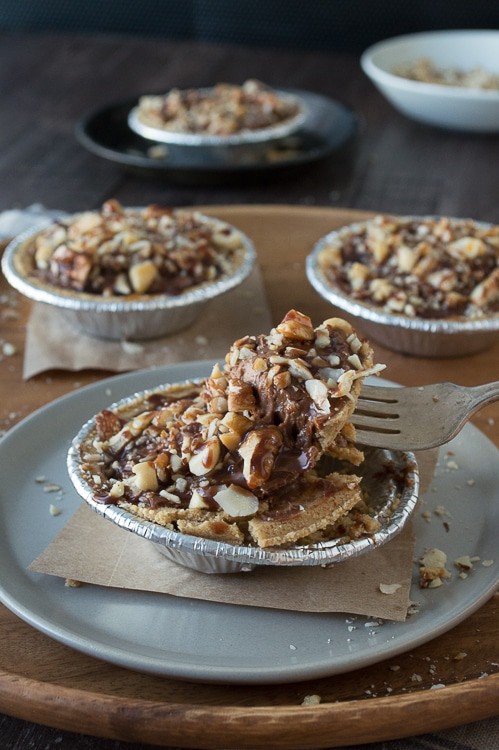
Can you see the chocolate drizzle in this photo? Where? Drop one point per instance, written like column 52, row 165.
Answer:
column 253, row 424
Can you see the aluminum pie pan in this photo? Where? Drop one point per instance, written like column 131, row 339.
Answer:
column 262, row 135
column 392, row 499
column 423, row 337
column 120, row 318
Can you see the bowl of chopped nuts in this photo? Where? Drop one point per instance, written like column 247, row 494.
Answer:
column 449, row 79
column 129, row 273
column 424, row 286
column 222, row 115
column 254, row 465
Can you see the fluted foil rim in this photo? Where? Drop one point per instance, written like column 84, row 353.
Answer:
column 262, row 135
column 82, row 302
column 374, row 314
column 394, row 512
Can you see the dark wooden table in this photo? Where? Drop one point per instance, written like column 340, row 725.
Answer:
column 49, row 82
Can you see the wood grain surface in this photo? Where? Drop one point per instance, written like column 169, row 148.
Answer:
column 45, row 682
column 50, row 81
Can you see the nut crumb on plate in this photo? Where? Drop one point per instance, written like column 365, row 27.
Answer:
column 72, row 583
column 432, row 571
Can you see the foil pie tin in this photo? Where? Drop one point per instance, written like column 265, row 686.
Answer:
column 139, row 317
column 262, row 135
column 416, row 336
column 390, row 480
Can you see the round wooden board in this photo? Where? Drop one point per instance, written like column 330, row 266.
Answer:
column 46, row 682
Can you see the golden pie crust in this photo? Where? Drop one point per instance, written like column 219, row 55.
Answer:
column 237, row 456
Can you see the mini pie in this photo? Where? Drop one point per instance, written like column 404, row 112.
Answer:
column 128, row 253
column 225, row 109
column 417, row 267
column 237, row 456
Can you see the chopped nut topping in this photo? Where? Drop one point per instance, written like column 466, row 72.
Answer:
column 428, row 268
column 236, row 456
column 236, row 501
column 426, row 71
column 225, row 109
column 122, row 252
column 296, row 326
column 206, row 459
column 145, row 476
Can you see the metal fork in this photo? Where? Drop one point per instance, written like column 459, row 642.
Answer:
column 417, row 418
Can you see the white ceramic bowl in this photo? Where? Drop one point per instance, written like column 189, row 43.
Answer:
column 458, row 108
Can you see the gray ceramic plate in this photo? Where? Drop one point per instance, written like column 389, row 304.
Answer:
column 216, row 642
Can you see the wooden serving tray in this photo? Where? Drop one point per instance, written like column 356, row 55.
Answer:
column 43, row 681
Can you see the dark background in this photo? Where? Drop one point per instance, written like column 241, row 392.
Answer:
column 340, row 25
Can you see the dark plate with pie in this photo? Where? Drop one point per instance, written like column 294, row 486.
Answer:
column 329, row 125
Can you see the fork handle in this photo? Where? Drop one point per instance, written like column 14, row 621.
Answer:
column 481, row 395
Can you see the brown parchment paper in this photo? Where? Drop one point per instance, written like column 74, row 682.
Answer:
column 52, row 343
column 92, row 550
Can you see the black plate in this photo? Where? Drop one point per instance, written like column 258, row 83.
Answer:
column 328, row 127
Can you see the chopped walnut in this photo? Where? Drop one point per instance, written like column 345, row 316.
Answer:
column 224, row 109
column 72, row 583
column 432, row 571
column 237, row 456
column 427, row 71
column 389, row 588
column 124, row 252
column 311, row 700
column 428, row 268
